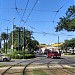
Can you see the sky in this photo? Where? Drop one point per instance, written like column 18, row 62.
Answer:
column 37, row 17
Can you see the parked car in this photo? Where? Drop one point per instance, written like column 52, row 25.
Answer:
column 4, row 58
column 53, row 54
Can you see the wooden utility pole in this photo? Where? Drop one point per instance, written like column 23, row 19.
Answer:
column 7, row 39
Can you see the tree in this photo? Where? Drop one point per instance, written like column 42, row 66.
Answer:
column 32, row 45
column 4, row 37
column 68, row 22
column 68, row 44
column 29, row 39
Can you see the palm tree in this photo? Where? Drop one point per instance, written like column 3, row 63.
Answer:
column 4, row 37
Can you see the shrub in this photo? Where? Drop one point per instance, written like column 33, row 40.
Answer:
column 20, row 56
column 68, row 54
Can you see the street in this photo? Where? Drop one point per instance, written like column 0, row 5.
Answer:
column 66, row 60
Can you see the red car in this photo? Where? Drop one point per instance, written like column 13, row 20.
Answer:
column 53, row 54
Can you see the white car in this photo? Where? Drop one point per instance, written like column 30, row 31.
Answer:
column 4, row 58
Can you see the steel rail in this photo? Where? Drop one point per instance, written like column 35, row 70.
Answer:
column 52, row 70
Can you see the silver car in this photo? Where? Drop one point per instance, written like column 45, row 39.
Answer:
column 4, row 58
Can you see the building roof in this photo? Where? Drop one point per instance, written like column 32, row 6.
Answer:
column 56, row 45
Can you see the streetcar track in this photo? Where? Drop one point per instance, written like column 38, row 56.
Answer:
column 52, row 70
column 3, row 73
column 10, row 67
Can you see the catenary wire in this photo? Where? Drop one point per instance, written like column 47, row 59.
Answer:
column 35, row 10
column 17, row 9
column 31, row 11
column 59, row 10
column 25, row 10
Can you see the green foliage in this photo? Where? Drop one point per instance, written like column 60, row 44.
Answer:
column 39, row 72
column 68, row 54
column 68, row 22
column 68, row 43
column 28, row 38
column 17, row 55
column 4, row 37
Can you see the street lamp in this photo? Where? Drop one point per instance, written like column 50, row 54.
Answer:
column 12, row 34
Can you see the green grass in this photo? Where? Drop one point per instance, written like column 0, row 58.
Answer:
column 1, row 65
column 39, row 72
column 71, row 69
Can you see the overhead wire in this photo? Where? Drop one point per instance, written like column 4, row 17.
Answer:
column 46, row 33
column 24, row 10
column 55, row 15
column 45, row 21
column 6, row 20
column 31, row 11
column 59, row 10
column 17, row 9
column 42, row 21
column 36, row 10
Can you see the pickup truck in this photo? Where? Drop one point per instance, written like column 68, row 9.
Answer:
column 4, row 58
column 53, row 54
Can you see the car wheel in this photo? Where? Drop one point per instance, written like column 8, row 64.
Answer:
column 5, row 59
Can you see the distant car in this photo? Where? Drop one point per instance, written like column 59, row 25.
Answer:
column 46, row 51
column 4, row 58
column 53, row 54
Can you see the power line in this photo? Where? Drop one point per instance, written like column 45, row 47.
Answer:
column 6, row 20
column 37, row 10
column 25, row 10
column 46, row 33
column 66, row 34
column 31, row 11
column 59, row 10
column 17, row 9
column 42, row 21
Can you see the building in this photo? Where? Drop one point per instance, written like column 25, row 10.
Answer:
column 55, row 46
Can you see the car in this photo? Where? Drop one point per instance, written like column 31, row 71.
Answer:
column 53, row 54
column 4, row 58
column 46, row 51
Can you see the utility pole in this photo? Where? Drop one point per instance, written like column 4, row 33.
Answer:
column 12, row 35
column 0, row 38
column 19, row 40
column 24, row 44
column 7, row 39
column 58, row 44
column 0, row 42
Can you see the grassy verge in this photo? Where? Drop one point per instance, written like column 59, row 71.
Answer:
column 1, row 65
column 39, row 72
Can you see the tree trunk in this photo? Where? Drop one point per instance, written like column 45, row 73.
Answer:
column 4, row 45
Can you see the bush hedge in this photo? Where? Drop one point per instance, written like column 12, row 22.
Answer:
column 20, row 56
column 68, row 54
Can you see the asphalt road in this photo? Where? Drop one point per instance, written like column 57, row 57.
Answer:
column 42, row 59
